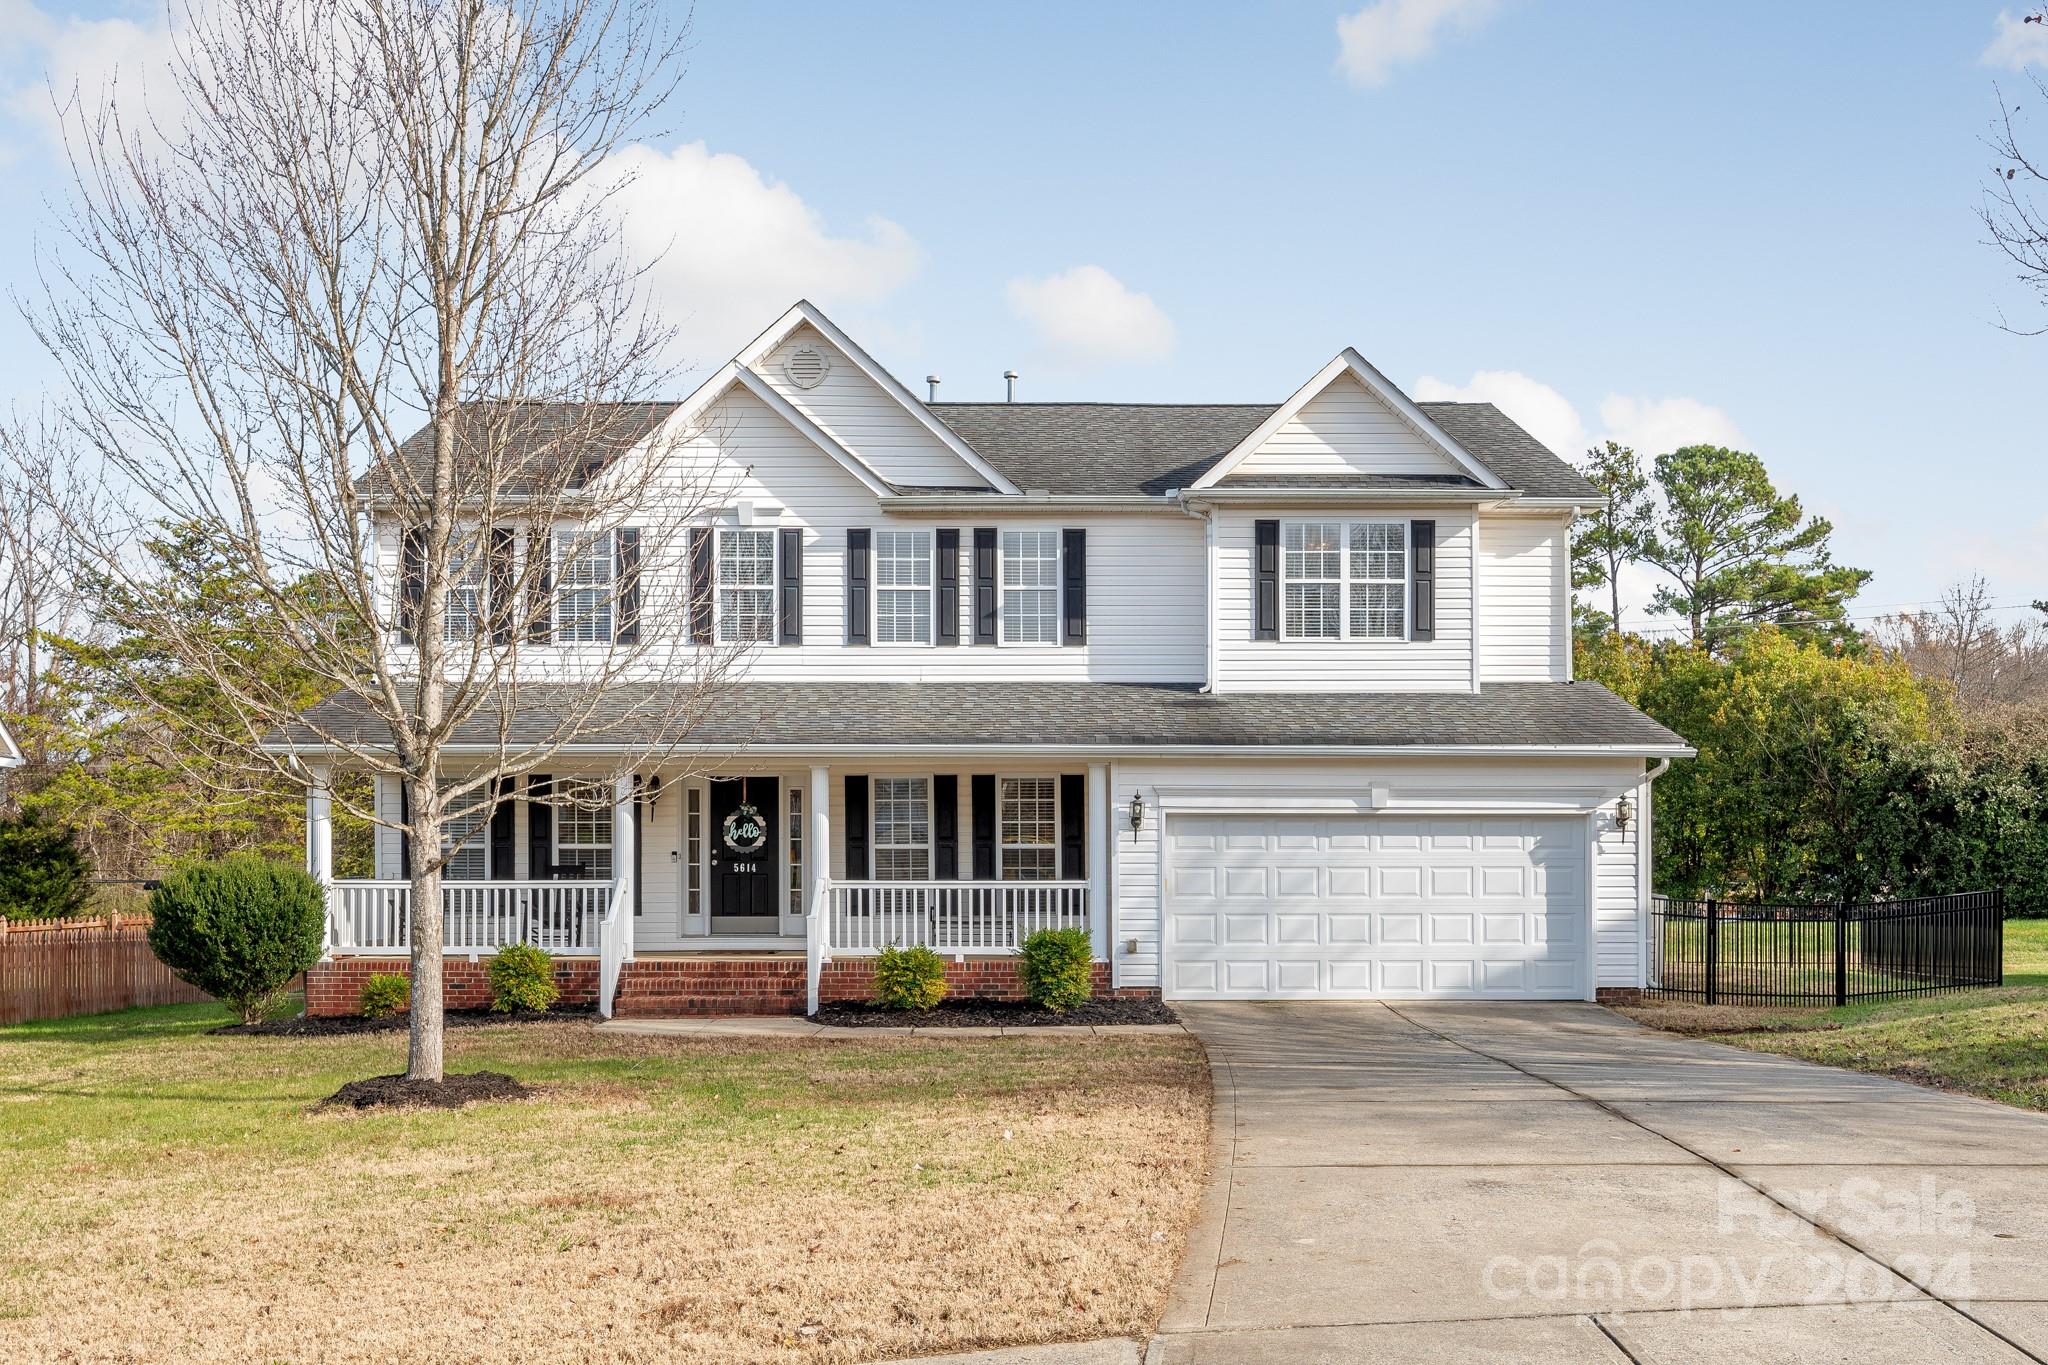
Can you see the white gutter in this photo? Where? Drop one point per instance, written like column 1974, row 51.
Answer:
column 1049, row 750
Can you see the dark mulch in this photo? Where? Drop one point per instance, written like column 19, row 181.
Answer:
column 325, row 1025
column 450, row 1092
column 995, row 1014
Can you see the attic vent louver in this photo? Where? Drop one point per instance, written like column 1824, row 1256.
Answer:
column 807, row 367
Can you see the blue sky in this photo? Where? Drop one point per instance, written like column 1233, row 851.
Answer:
column 1753, row 223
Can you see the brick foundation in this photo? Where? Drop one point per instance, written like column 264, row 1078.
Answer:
column 336, row 985
column 1618, row 995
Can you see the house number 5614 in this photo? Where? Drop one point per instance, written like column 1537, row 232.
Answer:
column 746, row 867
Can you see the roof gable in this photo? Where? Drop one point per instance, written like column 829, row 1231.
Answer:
column 1349, row 420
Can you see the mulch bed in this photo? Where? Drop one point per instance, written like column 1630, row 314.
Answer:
column 450, row 1092
column 994, row 1014
column 330, row 1025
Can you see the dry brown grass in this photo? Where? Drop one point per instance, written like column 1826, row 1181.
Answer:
column 176, row 1197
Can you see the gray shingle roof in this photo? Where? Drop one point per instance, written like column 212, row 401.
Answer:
column 1077, row 714
column 1126, row 448
column 540, row 434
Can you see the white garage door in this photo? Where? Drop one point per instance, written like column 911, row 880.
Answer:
column 1295, row 906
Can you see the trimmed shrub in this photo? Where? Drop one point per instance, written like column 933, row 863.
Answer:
column 44, row 874
column 1058, row 966
column 523, row 978
column 240, row 929
column 384, row 994
column 909, row 978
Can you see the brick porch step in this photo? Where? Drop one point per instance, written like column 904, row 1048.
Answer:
column 678, row 988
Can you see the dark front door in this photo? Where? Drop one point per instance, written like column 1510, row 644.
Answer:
column 746, row 855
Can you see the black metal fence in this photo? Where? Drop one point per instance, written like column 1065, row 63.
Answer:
column 1725, row 953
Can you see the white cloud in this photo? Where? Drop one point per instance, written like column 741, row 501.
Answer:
column 1544, row 412
column 1088, row 314
column 1651, row 426
column 1391, row 33
column 2018, row 44
column 737, row 248
column 65, row 59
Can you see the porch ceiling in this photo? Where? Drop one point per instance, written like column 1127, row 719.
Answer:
column 826, row 716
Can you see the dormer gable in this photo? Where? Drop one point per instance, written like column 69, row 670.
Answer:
column 1349, row 422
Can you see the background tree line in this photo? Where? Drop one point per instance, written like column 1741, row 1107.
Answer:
column 1839, row 757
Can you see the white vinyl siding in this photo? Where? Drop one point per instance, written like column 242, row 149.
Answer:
column 1245, row 663
column 1030, row 587
column 1346, row 429
column 583, row 587
column 1524, row 617
column 902, row 841
column 903, row 587
column 746, row 587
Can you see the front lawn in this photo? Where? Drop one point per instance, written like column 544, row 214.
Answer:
column 1992, row 1043
column 170, row 1195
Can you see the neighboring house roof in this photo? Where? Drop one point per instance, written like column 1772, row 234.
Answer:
column 1067, row 715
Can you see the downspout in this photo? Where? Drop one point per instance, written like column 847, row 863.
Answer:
column 1192, row 508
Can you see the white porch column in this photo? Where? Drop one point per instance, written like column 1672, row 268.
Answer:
column 1098, row 857
column 817, row 872
column 625, row 859
column 320, row 825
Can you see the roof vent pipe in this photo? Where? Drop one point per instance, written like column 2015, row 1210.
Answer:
column 932, row 380
column 1010, row 379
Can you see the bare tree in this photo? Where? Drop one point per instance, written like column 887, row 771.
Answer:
column 373, row 218
column 2015, row 206
column 1962, row 643
column 41, row 592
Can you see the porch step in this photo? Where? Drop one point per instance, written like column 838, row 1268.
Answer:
column 676, row 988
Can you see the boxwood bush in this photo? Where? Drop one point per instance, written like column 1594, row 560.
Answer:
column 523, row 978
column 240, row 929
column 1058, row 968
column 909, row 978
column 384, row 994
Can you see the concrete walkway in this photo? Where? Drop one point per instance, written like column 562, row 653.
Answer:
column 1452, row 1182
column 791, row 1027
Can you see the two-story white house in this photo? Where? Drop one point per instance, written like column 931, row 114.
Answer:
column 1276, row 699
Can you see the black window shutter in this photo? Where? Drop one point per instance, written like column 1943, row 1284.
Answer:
column 412, row 579
column 627, row 552
column 540, row 607
column 856, row 828
column 981, row 790
column 984, row 585
column 700, row 585
column 404, row 837
column 1073, row 587
column 500, row 866
column 540, row 830
column 1422, row 568
column 945, row 827
column 1073, row 827
column 1266, row 542
column 789, row 600
column 638, row 824
column 502, row 607
column 946, row 579
column 858, row 541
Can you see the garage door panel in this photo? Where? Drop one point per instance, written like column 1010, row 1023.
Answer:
column 1295, row 907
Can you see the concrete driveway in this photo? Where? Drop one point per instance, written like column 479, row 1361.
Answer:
column 1462, row 1182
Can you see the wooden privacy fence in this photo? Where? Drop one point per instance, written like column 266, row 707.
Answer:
column 56, row 969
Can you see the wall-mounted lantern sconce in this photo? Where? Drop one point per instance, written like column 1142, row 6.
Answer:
column 1137, row 811
column 1624, row 811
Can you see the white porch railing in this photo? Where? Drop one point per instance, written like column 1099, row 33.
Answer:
column 949, row 917
column 563, row 917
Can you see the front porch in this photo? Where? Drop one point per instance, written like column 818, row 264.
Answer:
column 689, row 893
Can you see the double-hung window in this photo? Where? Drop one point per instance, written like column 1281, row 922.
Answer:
column 1029, row 829
column 465, row 615
column 1031, row 587
column 746, row 587
column 583, row 831
column 584, row 589
column 462, row 843
column 903, row 828
column 1344, row 580
column 903, row 587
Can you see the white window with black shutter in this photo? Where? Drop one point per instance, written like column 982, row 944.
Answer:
column 745, row 610
column 903, row 588
column 1345, row 579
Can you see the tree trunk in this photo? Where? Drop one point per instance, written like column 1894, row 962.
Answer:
column 423, row 1061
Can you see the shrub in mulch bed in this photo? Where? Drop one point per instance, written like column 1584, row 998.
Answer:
column 994, row 1014
column 450, row 1092
column 328, row 1025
